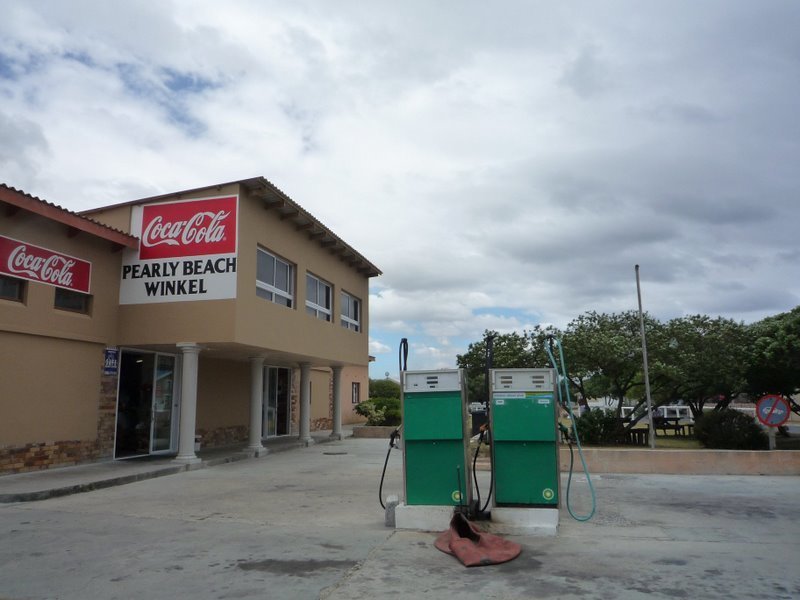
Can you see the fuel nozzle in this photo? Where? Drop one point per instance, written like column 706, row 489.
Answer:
column 393, row 438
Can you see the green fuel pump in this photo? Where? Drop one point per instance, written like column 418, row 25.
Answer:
column 524, row 438
column 434, row 441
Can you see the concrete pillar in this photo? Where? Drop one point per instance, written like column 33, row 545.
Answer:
column 256, row 405
column 336, row 434
column 190, row 353
column 305, row 404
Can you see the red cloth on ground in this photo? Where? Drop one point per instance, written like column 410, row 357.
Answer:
column 473, row 547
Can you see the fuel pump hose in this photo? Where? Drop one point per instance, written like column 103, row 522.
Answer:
column 402, row 359
column 563, row 382
column 484, row 431
column 392, row 444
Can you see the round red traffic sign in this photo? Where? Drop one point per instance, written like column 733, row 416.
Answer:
column 772, row 410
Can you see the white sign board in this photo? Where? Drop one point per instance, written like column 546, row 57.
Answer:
column 187, row 252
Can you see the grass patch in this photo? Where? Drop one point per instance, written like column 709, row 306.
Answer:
column 672, row 442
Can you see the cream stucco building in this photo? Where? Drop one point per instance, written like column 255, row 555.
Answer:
column 220, row 315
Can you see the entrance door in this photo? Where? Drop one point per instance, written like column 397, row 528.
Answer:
column 276, row 401
column 164, row 402
column 145, row 403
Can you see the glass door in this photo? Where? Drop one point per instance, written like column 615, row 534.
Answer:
column 134, row 404
column 146, row 404
column 276, row 401
column 270, row 403
column 164, row 403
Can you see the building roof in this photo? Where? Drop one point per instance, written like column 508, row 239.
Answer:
column 289, row 210
column 16, row 200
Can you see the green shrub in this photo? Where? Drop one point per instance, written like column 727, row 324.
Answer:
column 380, row 411
column 384, row 388
column 730, row 429
column 597, row 427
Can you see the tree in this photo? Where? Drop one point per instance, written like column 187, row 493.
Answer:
column 774, row 356
column 606, row 352
column 384, row 388
column 701, row 360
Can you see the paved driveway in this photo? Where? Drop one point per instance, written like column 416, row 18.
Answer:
column 306, row 523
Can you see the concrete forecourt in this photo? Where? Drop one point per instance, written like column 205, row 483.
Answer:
column 306, row 523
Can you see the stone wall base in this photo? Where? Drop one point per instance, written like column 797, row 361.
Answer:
column 38, row 456
column 322, row 424
column 223, row 436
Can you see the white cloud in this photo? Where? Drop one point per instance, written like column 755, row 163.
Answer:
column 502, row 164
column 378, row 347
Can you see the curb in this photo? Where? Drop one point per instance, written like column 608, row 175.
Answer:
column 133, row 478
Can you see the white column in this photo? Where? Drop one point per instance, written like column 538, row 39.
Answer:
column 305, row 404
column 190, row 353
column 336, row 434
column 256, row 405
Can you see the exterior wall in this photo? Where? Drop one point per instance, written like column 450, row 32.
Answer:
column 51, row 391
column 223, row 401
column 250, row 320
column 36, row 315
column 349, row 376
column 54, row 400
column 167, row 323
column 269, row 325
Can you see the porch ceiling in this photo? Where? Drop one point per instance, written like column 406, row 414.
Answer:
column 243, row 352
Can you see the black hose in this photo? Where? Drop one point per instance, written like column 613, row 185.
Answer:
column 402, row 357
column 475, row 476
column 474, row 472
column 394, row 435
column 491, row 487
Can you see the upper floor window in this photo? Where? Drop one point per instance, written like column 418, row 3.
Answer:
column 12, row 288
column 351, row 312
column 274, row 279
column 73, row 301
column 318, row 298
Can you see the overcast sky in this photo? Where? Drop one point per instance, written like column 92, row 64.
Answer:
column 503, row 163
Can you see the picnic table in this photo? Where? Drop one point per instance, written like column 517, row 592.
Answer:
column 675, row 424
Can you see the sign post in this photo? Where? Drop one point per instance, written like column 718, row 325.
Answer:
column 773, row 411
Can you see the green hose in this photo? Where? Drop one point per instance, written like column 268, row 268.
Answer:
column 564, row 381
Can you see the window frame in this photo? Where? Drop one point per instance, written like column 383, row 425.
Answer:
column 21, row 285
column 348, row 322
column 86, row 301
column 316, row 309
column 272, row 289
column 355, row 392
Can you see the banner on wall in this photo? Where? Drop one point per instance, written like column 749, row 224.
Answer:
column 34, row 263
column 187, row 252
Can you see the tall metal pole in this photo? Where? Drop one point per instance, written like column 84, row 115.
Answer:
column 644, row 359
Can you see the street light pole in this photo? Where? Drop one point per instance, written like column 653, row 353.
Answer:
column 644, row 359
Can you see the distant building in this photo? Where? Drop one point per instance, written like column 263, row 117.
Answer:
column 226, row 314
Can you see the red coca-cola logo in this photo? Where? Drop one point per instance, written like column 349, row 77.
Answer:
column 194, row 228
column 27, row 261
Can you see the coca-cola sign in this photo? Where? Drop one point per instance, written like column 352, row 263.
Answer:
column 28, row 261
column 187, row 252
column 193, row 228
